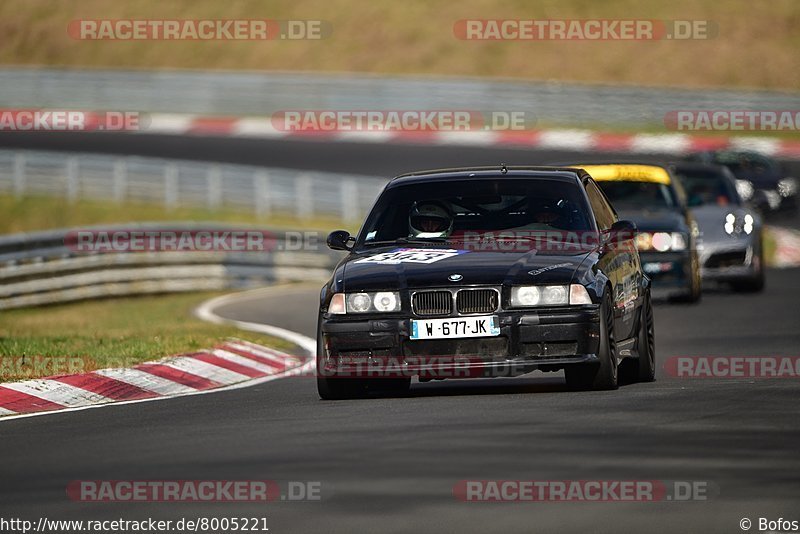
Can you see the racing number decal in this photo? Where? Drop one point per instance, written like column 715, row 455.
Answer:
column 412, row 255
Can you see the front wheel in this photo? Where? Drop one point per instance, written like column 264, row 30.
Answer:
column 602, row 375
column 755, row 283
column 332, row 387
column 695, row 290
column 646, row 344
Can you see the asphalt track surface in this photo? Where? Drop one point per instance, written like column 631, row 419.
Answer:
column 390, row 465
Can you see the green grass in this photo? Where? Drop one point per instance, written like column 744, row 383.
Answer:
column 29, row 214
column 756, row 45
column 98, row 334
column 770, row 247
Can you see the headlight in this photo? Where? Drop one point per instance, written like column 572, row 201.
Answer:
column 745, row 189
column 358, row 302
column 748, row 224
column 662, row 241
column 384, row 301
column 560, row 295
column 525, row 296
column 678, row 241
column 732, row 226
column 787, row 187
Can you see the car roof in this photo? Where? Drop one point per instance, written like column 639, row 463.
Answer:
column 628, row 172
column 510, row 172
column 698, row 166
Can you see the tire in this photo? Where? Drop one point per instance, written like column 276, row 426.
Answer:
column 339, row 388
column 754, row 284
column 646, row 343
column 605, row 374
column 695, row 290
column 332, row 387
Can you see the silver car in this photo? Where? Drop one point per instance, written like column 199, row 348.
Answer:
column 731, row 247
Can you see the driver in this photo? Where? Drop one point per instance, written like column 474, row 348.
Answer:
column 429, row 219
column 545, row 213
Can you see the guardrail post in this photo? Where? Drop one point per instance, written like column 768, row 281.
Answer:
column 263, row 204
column 213, row 187
column 19, row 174
column 120, row 179
column 72, row 179
column 348, row 191
column 170, row 185
column 304, row 199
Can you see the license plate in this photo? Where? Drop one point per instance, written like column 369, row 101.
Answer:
column 451, row 328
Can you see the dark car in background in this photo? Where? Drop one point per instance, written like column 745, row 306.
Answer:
column 760, row 180
column 648, row 195
column 730, row 247
column 485, row 272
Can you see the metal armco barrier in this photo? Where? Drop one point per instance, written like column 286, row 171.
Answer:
column 261, row 94
column 176, row 183
column 40, row 268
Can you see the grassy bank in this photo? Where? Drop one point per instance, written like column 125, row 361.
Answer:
column 42, row 213
column 755, row 43
column 107, row 333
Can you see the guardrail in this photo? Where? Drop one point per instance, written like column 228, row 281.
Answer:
column 176, row 183
column 252, row 93
column 41, row 268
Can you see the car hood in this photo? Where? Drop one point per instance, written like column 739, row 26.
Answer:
column 655, row 220
column 711, row 221
column 369, row 270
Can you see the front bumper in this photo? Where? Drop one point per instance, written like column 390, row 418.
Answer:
column 670, row 272
column 541, row 339
column 729, row 261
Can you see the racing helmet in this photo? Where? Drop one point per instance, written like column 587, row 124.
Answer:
column 429, row 219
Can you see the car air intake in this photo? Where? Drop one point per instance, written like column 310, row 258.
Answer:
column 432, row 303
column 477, row 300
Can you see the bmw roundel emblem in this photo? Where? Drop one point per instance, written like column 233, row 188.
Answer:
column 455, row 277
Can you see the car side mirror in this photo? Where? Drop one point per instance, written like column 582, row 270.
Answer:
column 622, row 231
column 339, row 240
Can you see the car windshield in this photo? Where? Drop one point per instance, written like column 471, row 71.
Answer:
column 447, row 211
column 707, row 187
column 638, row 195
column 745, row 165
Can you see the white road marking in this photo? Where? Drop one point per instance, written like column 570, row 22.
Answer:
column 245, row 362
column 566, row 139
column 655, row 143
column 58, row 392
column 169, row 123
column 146, row 381
column 205, row 370
column 257, row 128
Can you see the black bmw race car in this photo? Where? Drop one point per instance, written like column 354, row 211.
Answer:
column 486, row 272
